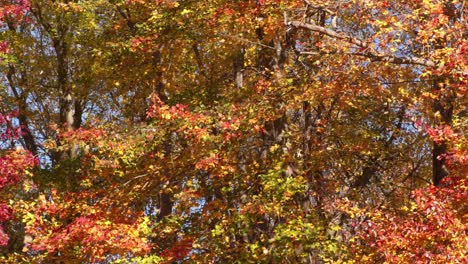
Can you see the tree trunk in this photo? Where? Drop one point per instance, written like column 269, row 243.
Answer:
column 443, row 109
column 29, row 141
column 239, row 68
column 67, row 113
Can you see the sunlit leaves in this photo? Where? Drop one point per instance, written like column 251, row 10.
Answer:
column 220, row 131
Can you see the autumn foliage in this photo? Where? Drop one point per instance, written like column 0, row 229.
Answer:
column 14, row 168
column 253, row 131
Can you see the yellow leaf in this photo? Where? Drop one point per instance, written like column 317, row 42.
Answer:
column 186, row 11
column 166, row 115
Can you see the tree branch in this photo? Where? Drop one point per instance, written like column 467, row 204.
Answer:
column 370, row 53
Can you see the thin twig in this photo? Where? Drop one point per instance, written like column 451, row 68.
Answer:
column 251, row 42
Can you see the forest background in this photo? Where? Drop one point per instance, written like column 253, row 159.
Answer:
column 243, row 131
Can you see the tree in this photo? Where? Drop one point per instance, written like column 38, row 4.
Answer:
column 240, row 131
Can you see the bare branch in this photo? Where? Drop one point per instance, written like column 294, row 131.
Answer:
column 370, row 53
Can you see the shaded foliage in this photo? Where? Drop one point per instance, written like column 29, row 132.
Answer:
column 233, row 131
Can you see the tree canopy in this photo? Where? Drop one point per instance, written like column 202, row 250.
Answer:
column 246, row 131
